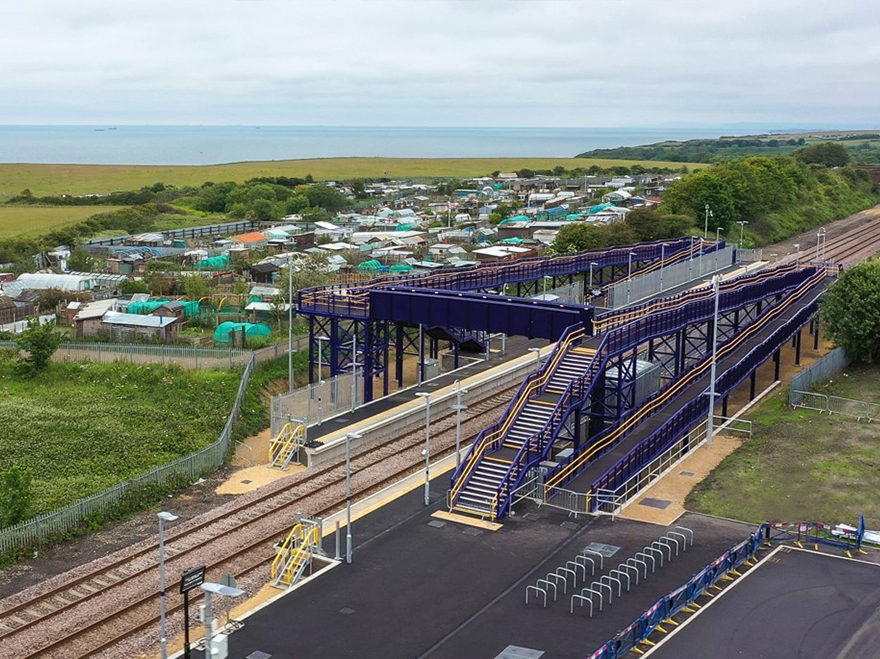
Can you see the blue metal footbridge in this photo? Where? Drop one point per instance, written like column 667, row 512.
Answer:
column 618, row 389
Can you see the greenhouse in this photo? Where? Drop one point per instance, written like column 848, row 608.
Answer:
column 214, row 263
column 223, row 335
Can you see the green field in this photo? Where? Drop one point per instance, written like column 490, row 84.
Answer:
column 100, row 179
column 80, row 428
column 30, row 221
column 800, row 465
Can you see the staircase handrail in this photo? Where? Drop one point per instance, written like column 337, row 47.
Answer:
column 581, row 388
column 284, row 549
column 605, row 321
column 496, row 431
column 682, row 421
column 654, row 403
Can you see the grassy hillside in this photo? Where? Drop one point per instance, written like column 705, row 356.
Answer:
column 101, row 179
column 80, row 428
column 862, row 146
column 32, row 221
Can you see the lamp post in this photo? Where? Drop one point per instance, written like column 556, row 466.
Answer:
column 458, row 407
column 215, row 589
column 820, row 241
column 348, row 547
column 663, row 247
column 590, row 287
column 706, row 223
column 629, row 267
column 797, row 254
column 716, row 289
column 691, row 259
column 718, row 231
column 742, row 225
column 537, row 352
column 354, row 368
column 545, row 278
column 290, row 321
column 163, row 517
column 320, row 339
column 427, row 396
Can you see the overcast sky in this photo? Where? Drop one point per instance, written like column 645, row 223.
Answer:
column 442, row 63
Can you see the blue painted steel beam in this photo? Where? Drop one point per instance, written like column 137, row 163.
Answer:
column 477, row 311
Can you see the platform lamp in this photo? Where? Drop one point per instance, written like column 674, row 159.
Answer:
column 290, row 321
column 348, row 546
column 163, row 517
column 320, row 338
column 590, row 287
column 797, row 254
column 629, row 268
column 214, row 589
column 718, row 231
column 742, row 225
column 427, row 451
column 459, row 407
column 706, row 223
column 821, row 239
column 716, row 290
column 663, row 247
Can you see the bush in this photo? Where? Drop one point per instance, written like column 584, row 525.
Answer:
column 851, row 312
column 40, row 342
column 16, row 494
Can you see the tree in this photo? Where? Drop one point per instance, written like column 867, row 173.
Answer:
column 16, row 494
column 829, row 154
column 81, row 261
column 851, row 312
column 195, row 287
column 358, row 187
column 40, row 342
column 132, row 286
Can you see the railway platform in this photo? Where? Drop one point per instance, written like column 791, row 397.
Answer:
column 422, row 587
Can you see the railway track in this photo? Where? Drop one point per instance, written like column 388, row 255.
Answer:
column 112, row 600
column 62, row 621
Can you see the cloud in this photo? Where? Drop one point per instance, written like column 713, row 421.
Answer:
column 436, row 62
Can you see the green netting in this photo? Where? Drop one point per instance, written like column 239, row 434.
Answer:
column 370, row 266
column 403, row 227
column 512, row 241
column 401, row 267
column 517, row 218
column 190, row 307
column 214, row 263
column 225, row 331
column 146, row 307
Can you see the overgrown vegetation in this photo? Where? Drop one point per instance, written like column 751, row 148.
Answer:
column 851, row 312
column 267, row 379
column 78, row 428
column 640, row 224
column 779, row 197
column 39, row 342
column 862, row 147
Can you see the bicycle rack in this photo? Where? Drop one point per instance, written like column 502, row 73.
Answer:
column 659, row 546
column 582, row 599
column 573, row 575
column 601, row 585
column 644, row 554
column 626, row 566
column 651, row 548
column 537, row 590
column 629, row 561
column 574, row 566
column 623, row 574
column 581, row 557
column 663, row 540
column 619, row 584
column 673, row 535
column 554, row 576
column 584, row 552
column 686, row 530
column 549, row 584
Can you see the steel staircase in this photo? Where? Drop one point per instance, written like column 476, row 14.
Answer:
column 497, row 454
column 295, row 553
column 286, row 444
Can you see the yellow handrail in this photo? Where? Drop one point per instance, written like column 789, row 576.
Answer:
column 492, row 437
column 674, row 388
column 280, row 557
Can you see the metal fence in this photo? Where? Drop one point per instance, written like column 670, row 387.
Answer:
column 820, row 371
column 184, row 356
column 316, row 402
column 749, row 255
column 653, row 283
column 188, row 469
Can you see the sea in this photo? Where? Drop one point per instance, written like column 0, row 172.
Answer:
column 203, row 145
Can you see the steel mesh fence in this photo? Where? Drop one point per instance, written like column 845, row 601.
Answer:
column 184, row 469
